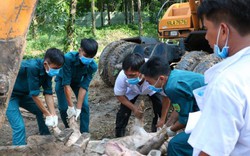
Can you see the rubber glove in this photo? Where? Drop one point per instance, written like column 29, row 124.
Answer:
column 71, row 111
column 78, row 112
column 49, row 121
column 170, row 132
column 55, row 119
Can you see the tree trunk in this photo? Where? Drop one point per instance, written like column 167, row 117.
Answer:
column 108, row 11
column 69, row 43
column 140, row 18
column 93, row 17
column 126, row 11
column 102, row 10
column 132, row 10
column 34, row 25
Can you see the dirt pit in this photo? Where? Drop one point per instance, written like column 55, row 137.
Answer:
column 103, row 108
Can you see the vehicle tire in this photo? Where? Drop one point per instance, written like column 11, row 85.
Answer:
column 115, row 60
column 190, row 60
column 103, row 61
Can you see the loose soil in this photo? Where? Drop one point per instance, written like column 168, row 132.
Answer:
column 103, row 108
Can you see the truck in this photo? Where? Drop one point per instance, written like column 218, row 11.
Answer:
column 184, row 46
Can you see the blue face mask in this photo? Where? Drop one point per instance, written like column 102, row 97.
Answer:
column 224, row 52
column 53, row 72
column 86, row 60
column 134, row 81
column 153, row 88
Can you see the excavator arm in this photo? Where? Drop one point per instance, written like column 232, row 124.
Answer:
column 15, row 18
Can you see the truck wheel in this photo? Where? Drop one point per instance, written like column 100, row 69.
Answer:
column 190, row 60
column 114, row 62
column 103, row 61
column 206, row 63
column 197, row 61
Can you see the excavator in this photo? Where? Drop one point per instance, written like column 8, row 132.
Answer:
column 179, row 23
column 15, row 18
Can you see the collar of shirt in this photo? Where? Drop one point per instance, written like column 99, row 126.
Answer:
column 168, row 84
column 41, row 67
column 77, row 61
column 221, row 66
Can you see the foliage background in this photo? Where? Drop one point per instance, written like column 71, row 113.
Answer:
column 48, row 27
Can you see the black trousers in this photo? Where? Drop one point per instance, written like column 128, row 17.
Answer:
column 122, row 117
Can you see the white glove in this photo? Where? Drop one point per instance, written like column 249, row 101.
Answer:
column 49, row 121
column 78, row 112
column 170, row 133
column 55, row 119
column 71, row 111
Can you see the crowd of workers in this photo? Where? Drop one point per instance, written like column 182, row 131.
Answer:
column 222, row 94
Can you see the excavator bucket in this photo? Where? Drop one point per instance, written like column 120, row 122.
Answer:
column 15, row 18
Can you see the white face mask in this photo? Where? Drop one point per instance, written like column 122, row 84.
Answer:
column 224, row 52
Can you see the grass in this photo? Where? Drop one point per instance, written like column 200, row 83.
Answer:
column 37, row 46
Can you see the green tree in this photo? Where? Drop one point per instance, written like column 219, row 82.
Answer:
column 108, row 11
column 93, row 17
column 140, row 18
column 69, row 39
column 132, row 12
column 52, row 15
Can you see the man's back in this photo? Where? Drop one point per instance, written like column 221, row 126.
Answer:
column 31, row 77
column 226, row 101
column 237, row 77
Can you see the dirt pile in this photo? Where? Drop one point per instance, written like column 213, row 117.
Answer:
column 103, row 108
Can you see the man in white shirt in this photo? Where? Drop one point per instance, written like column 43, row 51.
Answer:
column 224, row 126
column 128, row 86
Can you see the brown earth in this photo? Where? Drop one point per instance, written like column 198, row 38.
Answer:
column 103, row 108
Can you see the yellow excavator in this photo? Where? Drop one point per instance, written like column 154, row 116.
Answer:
column 179, row 20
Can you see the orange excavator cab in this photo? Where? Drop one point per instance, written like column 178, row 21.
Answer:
column 179, row 20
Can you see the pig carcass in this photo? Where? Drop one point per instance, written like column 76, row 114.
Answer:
column 139, row 142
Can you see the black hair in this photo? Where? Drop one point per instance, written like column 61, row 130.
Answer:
column 234, row 12
column 133, row 62
column 155, row 67
column 54, row 56
column 89, row 46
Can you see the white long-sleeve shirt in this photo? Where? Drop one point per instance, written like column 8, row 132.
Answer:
column 224, row 126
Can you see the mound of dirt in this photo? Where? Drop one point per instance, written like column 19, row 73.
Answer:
column 103, row 108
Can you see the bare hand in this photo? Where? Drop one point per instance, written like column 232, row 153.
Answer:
column 172, row 119
column 160, row 123
column 138, row 114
